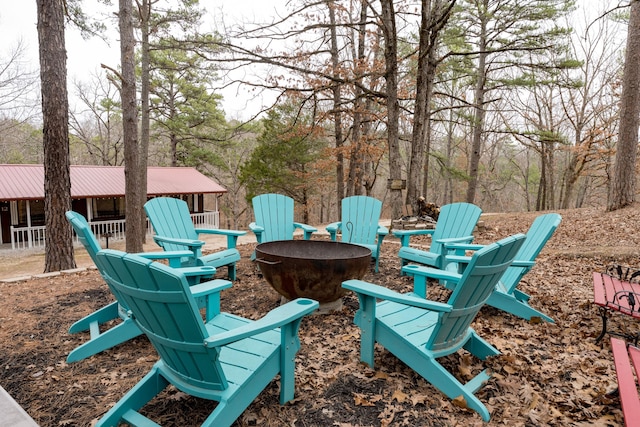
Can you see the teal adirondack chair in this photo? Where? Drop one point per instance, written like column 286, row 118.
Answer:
column 359, row 224
column 174, row 230
column 506, row 296
column 419, row 331
column 455, row 225
column 273, row 215
column 126, row 329
column 228, row 359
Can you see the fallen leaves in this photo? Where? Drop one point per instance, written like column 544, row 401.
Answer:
column 546, row 374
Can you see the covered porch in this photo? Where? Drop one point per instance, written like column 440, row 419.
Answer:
column 98, row 194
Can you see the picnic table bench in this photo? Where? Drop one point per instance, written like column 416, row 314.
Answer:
column 617, row 289
column 623, row 356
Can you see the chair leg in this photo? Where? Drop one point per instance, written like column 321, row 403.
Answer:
column 110, row 338
column 439, row 377
column 510, row 304
column 231, row 271
column 105, row 314
column 603, row 315
column 365, row 319
column 479, row 347
column 289, row 347
column 145, row 390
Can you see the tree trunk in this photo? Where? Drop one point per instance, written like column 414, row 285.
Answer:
column 357, row 183
column 337, row 101
column 478, row 120
column 434, row 16
column 421, row 109
column 145, row 15
column 133, row 210
column 623, row 185
column 55, row 129
column 393, row 106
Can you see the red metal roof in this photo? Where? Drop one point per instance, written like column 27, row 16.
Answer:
column 20, row 182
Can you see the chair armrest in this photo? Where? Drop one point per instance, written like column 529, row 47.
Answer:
column 257, row 230
column 421, row 274
column 193, row 245
column 382, row 230
column 462, row 246
column 380, row 292
column 405, row 235
column 458, row 245
column 525, row 264
column 207, row 295
column 433, row 273
column 333, row 229
column 223, row 232
column 277, row 317
column 255, row 227
column 307, row 229
column 458, row 259
column 174, row 257
column 232, row 235
column 199, row 271
column 210, row 287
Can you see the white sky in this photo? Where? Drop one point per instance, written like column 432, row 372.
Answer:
column 18, row 23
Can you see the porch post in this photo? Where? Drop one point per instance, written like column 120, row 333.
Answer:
column 29, row 237
column 89, row 211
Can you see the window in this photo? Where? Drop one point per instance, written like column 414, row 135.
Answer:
column 108, row 208
column 35, row 207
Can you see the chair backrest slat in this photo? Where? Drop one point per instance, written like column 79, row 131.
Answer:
column 473, row 290
column 360, row 219
column 454, row 220
column 170, row 217
column 83, row 230
column 275, row 213
column 539, row 233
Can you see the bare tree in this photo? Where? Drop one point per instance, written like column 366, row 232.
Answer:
column 590, row 107
column 388, row 24
column 624, row 184
column 55, row 129
column 97, row 123
column 16, row 87
column 337, row 100
column 434, row 16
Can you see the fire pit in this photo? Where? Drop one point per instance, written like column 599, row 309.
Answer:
column 311, row 268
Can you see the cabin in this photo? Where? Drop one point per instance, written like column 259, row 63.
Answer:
column 97, row 192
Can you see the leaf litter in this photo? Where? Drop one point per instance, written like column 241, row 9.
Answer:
column 546, row 374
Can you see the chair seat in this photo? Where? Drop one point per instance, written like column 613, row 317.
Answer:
column 413, row 324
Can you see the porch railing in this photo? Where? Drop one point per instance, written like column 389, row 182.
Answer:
column 114, row 230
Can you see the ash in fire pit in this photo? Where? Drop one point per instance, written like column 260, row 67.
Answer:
column 311, row 268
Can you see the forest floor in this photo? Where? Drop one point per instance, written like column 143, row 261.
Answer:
column 547, row 374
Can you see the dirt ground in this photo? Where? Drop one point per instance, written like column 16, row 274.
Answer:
column 547, row 374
